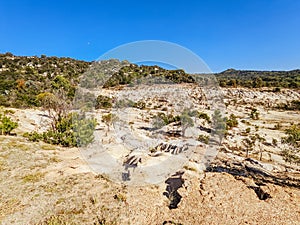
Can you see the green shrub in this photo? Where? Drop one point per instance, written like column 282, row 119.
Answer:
column 219, row 124
column 33, row 136
column 254, row 114
column 124, row 103
column 73, row 130
column 140, row 105
column 6, row 124
column 276, row 89
column 203, row 138
column 204, row 116
column 166, row 119
column 83, row 129
column 293, row 135
column 289, row 155
column 245, row 122
column 232, row 121
column 186, row 121
column 103, row 102
column 274, row 142
column 277, row 126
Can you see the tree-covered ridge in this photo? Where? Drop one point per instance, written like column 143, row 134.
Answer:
column 22, row 78
column 257, row 79
column 134, row 73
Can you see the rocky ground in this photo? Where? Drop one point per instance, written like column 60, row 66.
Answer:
column 45, row 184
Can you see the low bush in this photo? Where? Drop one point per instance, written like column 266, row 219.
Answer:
column 254, row 114
column 103, row 102
column 73, row 130
column 140, row 105
column 6, row 124
column 290, row 156
column 293, row 135
column 231, row 122
column 203, row 138
column 202, row 115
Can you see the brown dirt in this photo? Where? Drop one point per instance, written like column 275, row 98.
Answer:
column 42, row 184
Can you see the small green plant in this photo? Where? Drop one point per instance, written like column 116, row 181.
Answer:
column 248, row 129
column 203, row 138
column 274, row 142
column 33, row 136
column 140, row 105
column 186, row 122
column 232, row 121
column 120, row 197
column 254, row 114
column 202, row 115
column 277, row 126
column 162, row 119
column 249, row 143
column 293, row 135
column 290, row 156
column 108, row 119
column 103, row 102
column 6, row 124
column 219, row 124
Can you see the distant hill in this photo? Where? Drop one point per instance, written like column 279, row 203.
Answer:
column 256, row 79
column 22, row 78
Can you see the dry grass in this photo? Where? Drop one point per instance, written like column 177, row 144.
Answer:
column 190, row 168
column 47, row 147
column 56, row 220
column 33, row 177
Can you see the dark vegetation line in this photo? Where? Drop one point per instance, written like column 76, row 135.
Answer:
column 258, row 79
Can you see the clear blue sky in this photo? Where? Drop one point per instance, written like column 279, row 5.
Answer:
column 241, row 34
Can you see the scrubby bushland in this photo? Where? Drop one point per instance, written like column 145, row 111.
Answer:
column 135, row 74
column 22, row 78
